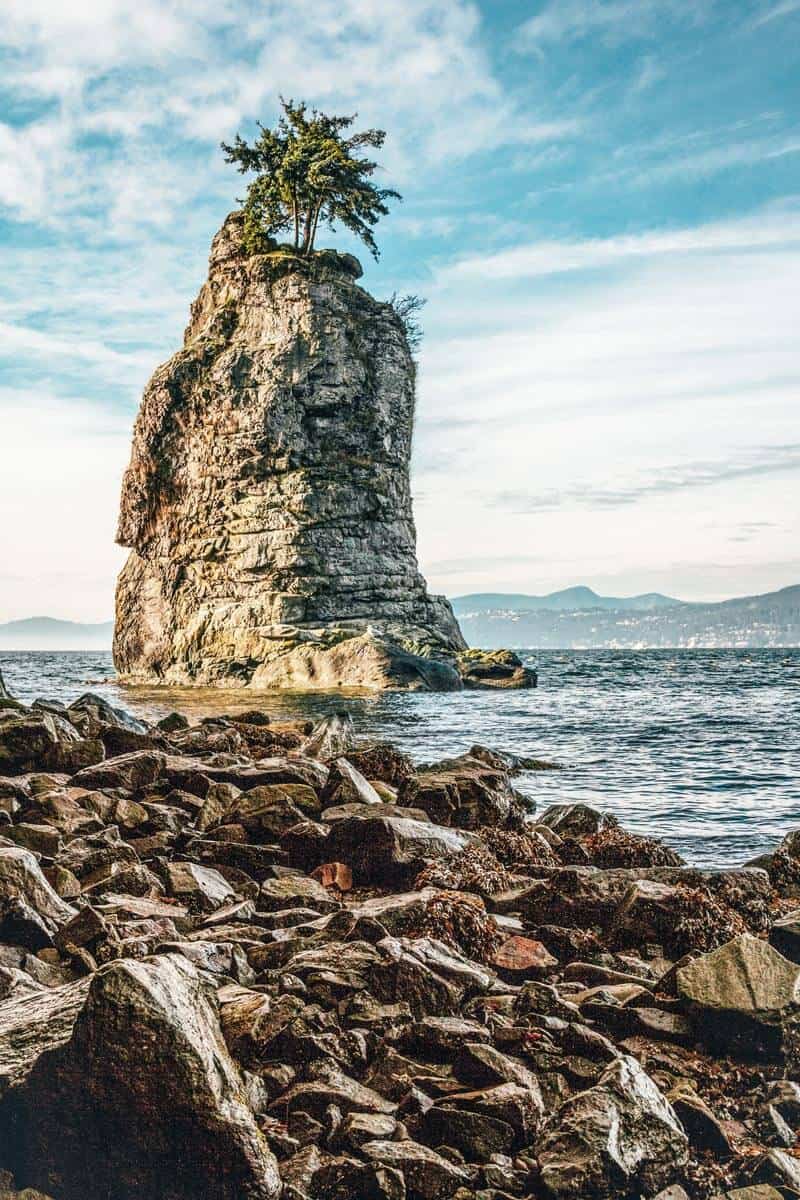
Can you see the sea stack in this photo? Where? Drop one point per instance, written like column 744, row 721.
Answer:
column 267, row 503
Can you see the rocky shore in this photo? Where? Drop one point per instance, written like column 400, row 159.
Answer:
column 245, row 960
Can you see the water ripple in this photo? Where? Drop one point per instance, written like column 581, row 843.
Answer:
column 699, row 747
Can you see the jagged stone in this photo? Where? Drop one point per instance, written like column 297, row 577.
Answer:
column 745, row 992
column 346, row 785
column 27, row 739
column 21, row 878
column 428, row 1175
column 464, row 792
column 499, row 669
column 135, row 770
column 142, row 1090
column 388, row 849
column 267, row 503
column 202, row 889
column 613, row 1140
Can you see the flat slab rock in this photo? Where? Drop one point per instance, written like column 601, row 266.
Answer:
column 746, row 976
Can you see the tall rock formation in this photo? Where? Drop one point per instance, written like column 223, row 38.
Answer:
column 267, row 502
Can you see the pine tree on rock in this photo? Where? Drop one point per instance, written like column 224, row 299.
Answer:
column 309, row 170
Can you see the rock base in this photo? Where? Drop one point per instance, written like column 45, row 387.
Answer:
column 248, row 959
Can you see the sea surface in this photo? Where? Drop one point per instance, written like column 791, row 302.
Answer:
column 699, row 747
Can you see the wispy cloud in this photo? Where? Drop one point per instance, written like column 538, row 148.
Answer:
column 134, row 96
column 565, row 352
column 555, row 258
column 660, row 481
column 774, row 12
column 613, row 20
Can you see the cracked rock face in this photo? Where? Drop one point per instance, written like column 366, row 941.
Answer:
column 267, row 503
column 162, row 1115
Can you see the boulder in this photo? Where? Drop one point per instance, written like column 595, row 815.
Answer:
column 428, row 1175
column 571, row 820
column 465, row 792
column 346, row 785
column 21, row 878
column 390, row 849
column 476, row 1135
column 519, row 1107
column 145, row 1097
column 128, row 771
column 496, row 669
column 745, row 992
column 28, row 740
column 202, row 889
column 100, row 712
column 618, row 1139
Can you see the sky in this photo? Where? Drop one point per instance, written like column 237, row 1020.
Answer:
column 601, row 208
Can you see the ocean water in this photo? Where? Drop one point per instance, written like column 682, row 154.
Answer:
column 699, row 747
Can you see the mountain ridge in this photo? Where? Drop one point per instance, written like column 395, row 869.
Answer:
column 533, row 626
column 578, row 598
column 766, row 619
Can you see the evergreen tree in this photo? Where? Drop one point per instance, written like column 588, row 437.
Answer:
column 309, row 170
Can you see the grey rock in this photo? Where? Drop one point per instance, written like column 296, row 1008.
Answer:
column 28, row 740
column 100, row 712
column 21, row 878
column 474, row 1134
column 346, row 785
column 335, row 1087
column 571, row 820
column 615, row 1139
column 295, row 891
column 744, row 991
column 519, row 1107
column 465, row 792
column 428, row 1175
column 144, row 1066
column 267, row 503
column 130, row 771
column 391, row 849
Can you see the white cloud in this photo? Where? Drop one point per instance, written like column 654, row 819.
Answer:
column 550, row 366
column 781, row 228
column 606, row 418
column 613, row 20
column 166, row 82
column 774, row 11
column 59, row 483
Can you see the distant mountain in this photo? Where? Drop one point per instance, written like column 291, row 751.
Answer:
column 597, row 622
column 575, row 618
column 574, row 599
column 46, row 633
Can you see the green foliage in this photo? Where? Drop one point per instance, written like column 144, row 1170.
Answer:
column 407, row 307
column 308, row 170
